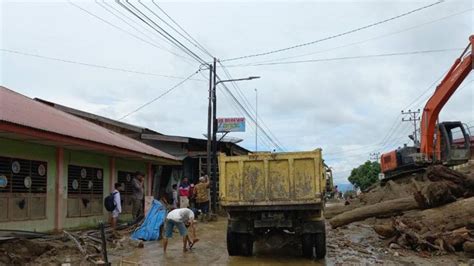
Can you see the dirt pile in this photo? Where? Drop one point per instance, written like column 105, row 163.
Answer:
column 24, row 251
column 428, row 211
column 77, row 248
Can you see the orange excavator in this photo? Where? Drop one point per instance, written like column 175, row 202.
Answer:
column 437, row 145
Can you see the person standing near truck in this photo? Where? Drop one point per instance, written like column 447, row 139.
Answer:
column 202, row 197
column 137, row 195
column 181, row 218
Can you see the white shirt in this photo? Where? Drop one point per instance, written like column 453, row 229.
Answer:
column 118, row 204
column 182, row 215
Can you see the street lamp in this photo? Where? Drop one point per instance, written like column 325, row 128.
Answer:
column 214, row 135
column 233, row 80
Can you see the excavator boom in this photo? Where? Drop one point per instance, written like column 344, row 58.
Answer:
column 437, row 143
column 452, row 80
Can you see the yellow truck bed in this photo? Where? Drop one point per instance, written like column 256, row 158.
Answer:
column 270, row 179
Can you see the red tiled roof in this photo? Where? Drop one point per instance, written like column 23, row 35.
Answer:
column 18, row 109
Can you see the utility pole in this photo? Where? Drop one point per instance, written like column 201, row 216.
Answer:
column 256, row 119
column 413, row 117
column 214, row 141
column 209, row 124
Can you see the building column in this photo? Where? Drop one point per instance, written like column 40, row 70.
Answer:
column 59, row 189
column 112, row 175
column 149, row 179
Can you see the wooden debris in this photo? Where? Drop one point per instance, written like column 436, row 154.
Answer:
column 432, row 230
column 390, row 207
column 83, row 251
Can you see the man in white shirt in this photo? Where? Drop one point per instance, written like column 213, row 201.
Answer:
column 118, row 205
column 181, row 218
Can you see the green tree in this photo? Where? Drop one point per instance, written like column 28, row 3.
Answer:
column 365, row 175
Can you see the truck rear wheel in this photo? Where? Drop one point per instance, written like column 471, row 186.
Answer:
column 320, row 244
column 232, row 241
column 307, row 241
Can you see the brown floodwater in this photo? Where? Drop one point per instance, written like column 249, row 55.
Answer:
column 212, row 250
column 355, row 244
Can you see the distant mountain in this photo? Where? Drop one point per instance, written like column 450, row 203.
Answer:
column 345, row 187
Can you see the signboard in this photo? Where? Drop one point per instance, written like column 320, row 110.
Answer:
column 233, row 124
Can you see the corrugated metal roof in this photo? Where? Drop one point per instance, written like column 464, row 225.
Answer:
column 19, row 109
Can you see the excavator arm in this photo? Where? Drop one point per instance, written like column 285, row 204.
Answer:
column 455, row 76
column 439, row 149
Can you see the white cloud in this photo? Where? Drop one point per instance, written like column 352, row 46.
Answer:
column 345, row 107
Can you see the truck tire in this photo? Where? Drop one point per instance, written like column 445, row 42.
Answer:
column 232, row 241
column 245, row 242
column 307, row 241
column 320, row 244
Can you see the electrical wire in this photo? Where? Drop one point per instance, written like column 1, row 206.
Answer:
column 160, row 31
column 350, row 57
column 236, row 108
column 91, row 65
column 174, row 29
column 161, row 95
column 246, row 113
column 336, row 35
column 108, row 8
column 122, row 30
column 179, row 26
column 363, row 41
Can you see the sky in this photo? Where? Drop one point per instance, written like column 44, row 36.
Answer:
column 349, row 107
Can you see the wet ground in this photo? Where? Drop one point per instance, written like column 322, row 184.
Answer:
column 356, row 244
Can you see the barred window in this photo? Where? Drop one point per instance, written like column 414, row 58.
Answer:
column 125, row 178
column 85, row 191
column 23, row 187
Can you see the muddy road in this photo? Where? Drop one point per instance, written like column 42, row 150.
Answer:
column 354, row 244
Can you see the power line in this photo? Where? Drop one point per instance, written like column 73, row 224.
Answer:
column 122, row 30
column 363, row 41
column 179, row 26
column 350, row 57
column 161, row 95
column 236, row 108
column 92, row 65
column 108, row 8
column 174, row 29
column 249, row 115
column 161, row 31
column 336, row 35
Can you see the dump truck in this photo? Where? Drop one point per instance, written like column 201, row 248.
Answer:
column 274, row 196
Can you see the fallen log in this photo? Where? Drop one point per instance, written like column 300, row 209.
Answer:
column 390, row 207
column 333, row 210
column 445, row 218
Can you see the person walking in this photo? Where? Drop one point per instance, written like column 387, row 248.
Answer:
column 181, row 218
column 118, row 205
column 202, row 197
column 184, row 193
column 137, row 195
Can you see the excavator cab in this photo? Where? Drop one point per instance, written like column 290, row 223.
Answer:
column 455, row 145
